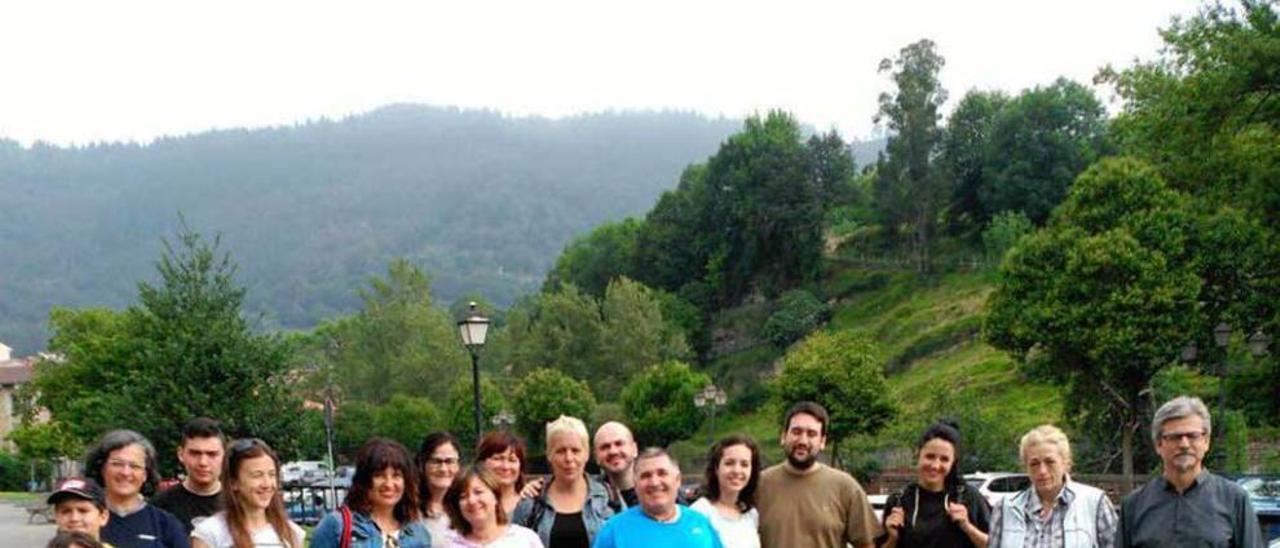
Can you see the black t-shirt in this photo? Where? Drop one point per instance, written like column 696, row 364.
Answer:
column 929, row 526
column 188, row 507
column 569, row 531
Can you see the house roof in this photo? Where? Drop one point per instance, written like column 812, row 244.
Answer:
column 15, row 372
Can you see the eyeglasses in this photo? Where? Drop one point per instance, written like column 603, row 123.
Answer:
column 118, row 464
column 1175, row 437
column 441, row 463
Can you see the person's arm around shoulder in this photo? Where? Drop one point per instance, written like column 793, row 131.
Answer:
column 327, row 533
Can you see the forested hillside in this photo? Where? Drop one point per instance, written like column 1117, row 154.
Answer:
column 482, row 202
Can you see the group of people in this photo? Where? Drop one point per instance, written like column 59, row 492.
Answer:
column 230, row 496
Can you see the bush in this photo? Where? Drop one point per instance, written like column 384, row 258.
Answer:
column 797, row 314
column 1005, row 229
column 658, row 403
column 13, row 472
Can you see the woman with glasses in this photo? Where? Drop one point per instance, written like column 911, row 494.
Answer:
column 124, row 463
column 937, row 509
column 478, row 518
column 381, row 508
column 254, row 513
column 1067, row 513
column 503, row 454
column 573, row 506
column 437, row 459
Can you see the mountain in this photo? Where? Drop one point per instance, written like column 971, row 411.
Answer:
column 482, row 201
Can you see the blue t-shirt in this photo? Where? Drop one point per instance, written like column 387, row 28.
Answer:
column 635, row 529
column 146, row 528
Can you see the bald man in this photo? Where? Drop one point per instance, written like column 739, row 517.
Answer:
column 615, row 451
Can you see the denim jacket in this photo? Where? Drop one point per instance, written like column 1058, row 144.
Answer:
column 365, row 533
column 537, row 514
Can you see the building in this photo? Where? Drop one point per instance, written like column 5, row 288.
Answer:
column 13, row 374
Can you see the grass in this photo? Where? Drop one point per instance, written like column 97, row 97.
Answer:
column 21, row 497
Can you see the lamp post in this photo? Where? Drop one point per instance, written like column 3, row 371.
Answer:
column 503, row 419
column 473, row 329
column 1258, row 343
column 710, row 398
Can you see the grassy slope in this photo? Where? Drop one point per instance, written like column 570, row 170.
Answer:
column 928, row 332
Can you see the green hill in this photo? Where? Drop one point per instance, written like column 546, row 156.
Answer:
column 928, row 332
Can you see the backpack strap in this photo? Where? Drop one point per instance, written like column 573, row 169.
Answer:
column 345, row 542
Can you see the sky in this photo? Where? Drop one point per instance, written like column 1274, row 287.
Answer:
column 77, row 72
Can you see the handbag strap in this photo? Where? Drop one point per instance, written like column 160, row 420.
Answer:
column 346, row 527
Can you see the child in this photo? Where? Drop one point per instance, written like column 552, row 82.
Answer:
column 79, row 505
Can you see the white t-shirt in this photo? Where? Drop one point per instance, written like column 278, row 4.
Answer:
column 438, row 526
column 740, row 532
column 215, row 533
column 515, row 537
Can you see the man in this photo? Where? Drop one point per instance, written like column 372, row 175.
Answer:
column 1186, row 505
column 615, row 452
column 79, row 506
column 200, row 453
column 657, row 521
column 805, row 503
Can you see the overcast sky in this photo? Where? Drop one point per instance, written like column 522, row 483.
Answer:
column 78, row 72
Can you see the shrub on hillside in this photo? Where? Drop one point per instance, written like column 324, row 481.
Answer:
column 799, row 312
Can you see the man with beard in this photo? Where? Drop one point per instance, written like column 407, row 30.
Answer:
column 803, row 502
column 658, row 522
column 1186, row 505
column 615, row 451
column 200, row 453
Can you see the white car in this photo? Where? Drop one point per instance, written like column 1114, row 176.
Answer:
column 877, row 505
column 303, row 472
column 995, row 486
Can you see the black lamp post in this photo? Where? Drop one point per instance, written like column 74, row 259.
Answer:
column 711, row 398
column 473, row 329
column 1258, row 343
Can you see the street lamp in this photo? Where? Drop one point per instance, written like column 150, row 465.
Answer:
column 1257, row 343
column 710, row 398
column 473, row 329
column 503, row 419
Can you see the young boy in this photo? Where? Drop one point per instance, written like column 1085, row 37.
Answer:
column 79, row 505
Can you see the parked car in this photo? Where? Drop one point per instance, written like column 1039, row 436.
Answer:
column 877, row 505
column 1264, row 493
column 303, row 472
column 341, row 478
column 995, row 486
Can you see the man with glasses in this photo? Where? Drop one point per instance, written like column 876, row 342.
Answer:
column 200, row 453
column 1187, row 505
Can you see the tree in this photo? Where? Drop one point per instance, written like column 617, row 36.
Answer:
column 1004, row 231
column 840, row 371
column 592, row 261
column 399, row 342
column 1040, row 142
column 909, row 192
column 545, row 394
column 184, row 350
column 966, row 147
column 1105, row 295
column 658, row 403
column 798, row 312
column 459, row 415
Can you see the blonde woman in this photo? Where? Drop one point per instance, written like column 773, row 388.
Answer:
column 1069, row 514
column 573, row 506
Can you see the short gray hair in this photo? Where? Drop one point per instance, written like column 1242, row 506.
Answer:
column 653, row 453
column 114, row 441
column 1180, row 407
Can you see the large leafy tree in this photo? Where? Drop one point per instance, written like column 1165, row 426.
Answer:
column 545, row 394
column 909, row 191
column 1040, row 142
column 842, row 372
column 592, row 261
column 185, row 350
column 1105, row 295
column 966, row 145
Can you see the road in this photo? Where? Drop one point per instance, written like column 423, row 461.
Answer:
column 17, row 533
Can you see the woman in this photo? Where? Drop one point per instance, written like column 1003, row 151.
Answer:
column 477, row 515
column 73, row 539
column 729, row 491
column 572, row 507
column 503, row 454
column 254, row 513
column 124, row 464
column 437, row 460
column 381, row 508
column 937, row 509
column 1054, row 506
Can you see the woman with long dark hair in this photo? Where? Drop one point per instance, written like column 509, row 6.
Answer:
column 253, row 510
column 437, row 462
column 729, row 491
column 381, row 508
column 937, row 509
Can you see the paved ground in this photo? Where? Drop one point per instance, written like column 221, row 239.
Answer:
column 15, row 532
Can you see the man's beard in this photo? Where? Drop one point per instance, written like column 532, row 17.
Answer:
column 1185, row 461
column 806, row 462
